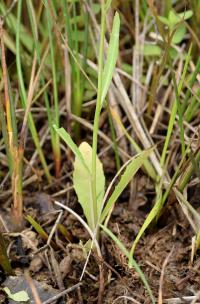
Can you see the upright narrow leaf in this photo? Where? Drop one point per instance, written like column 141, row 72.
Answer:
column 82, row 180
column 150, row 217
column 134, row 263
column 71, row 144
column 107, row 5
column 111, row 57
column 130, row 171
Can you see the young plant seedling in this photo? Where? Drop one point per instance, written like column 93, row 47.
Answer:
column 88, row 176
column 97, row 212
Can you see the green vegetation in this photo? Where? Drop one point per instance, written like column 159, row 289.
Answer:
column 99, row 95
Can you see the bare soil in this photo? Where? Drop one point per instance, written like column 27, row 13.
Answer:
column 164, row 253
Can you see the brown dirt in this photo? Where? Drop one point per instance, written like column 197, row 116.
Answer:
column 181, row 277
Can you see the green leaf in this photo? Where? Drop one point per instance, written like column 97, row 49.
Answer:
column 134, row 263
column 186, row 15
column 78, row 36
column 174, row 109
column 107, row 5
column 82, row 180
column 191, row 214
column 179, row 34
column 197, row 241
column 9, row 43
column 20, row 296
column 96, row 8
column 191, row 211
column 151, row 50
column 40, row 230
column 71, row 144
column 150, row 217
column 173, row 52
column 164, row 20
column 126, row 177
column 37, row 227
column 173, row 18
column 147, row 164
column 111, row 57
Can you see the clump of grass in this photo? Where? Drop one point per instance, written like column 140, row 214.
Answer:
column 76, row 44
column 23, row 93
column 55, row 115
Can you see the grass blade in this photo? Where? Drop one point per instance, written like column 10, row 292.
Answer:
column 113, row 49
column 174, row 111
column 134, row 263
column 56, row 115
column 151, row 216
column 71, row 144
column 147, row 164
column 24, row 96
column 38, row 228
column 98, row 103
column 126, row 177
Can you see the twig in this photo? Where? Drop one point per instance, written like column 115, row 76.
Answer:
column 33, row 289
column 181, row 300
column 160, row 299
column 126, row 298
column 82, row 222
column 54, row 227
column 61, row 294
column 194, row 301
column 56, row 269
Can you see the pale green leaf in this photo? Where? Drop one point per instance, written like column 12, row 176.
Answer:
column 111, row 57
column 186, row 15
column 179, row 34
column 173, row 18
column 96, row 8
column 107, row 5
column 147, row 164
column 134, row 263
column 78, row 36
column 191, row 214
column 191, row 211
column 197, row 241
column 126, row 177
column 20, row 296
column 150, row 217
column 9, row 43
column 71, row 144
column 151, row 50
column 164, row 20
column 82, row 180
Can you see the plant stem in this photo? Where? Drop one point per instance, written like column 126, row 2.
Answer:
column 56, row 118
column 15, row 154
column 98, row 110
